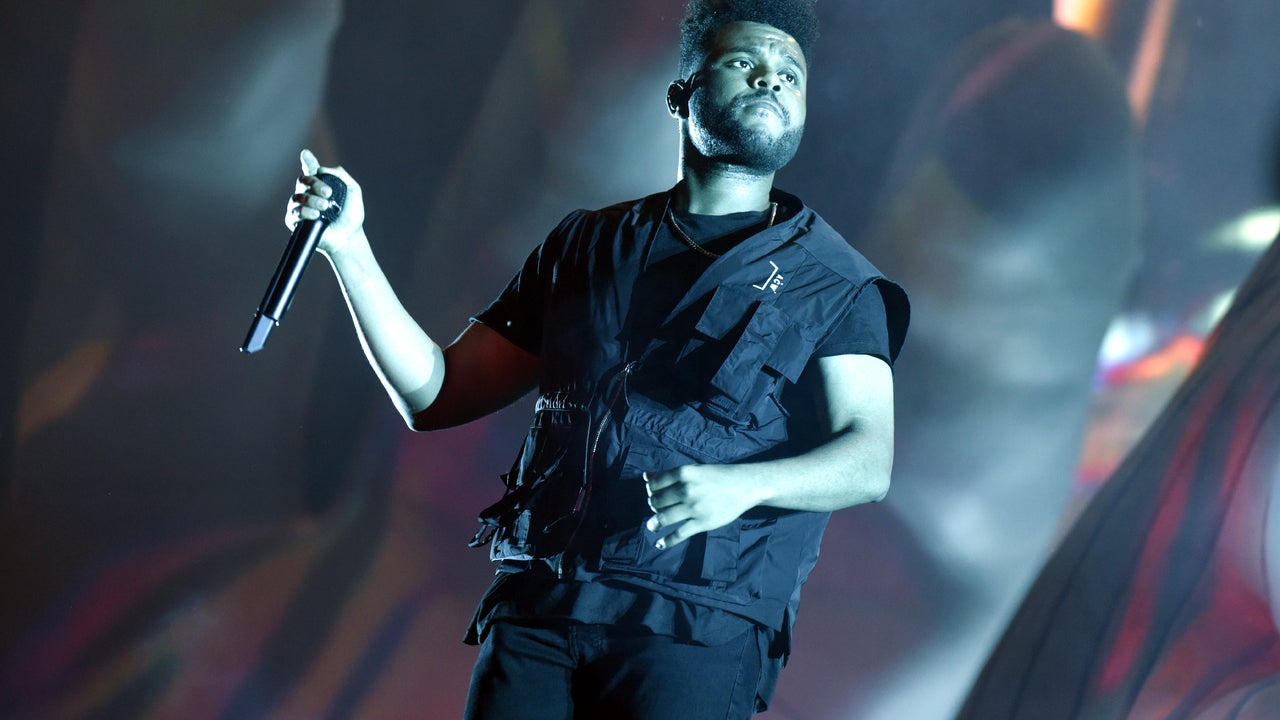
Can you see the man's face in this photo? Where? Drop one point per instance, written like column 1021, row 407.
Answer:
column 748, row 102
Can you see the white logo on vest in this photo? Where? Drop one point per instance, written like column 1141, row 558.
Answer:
column 774, row 282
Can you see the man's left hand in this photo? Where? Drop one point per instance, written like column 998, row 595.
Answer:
column 693, row 499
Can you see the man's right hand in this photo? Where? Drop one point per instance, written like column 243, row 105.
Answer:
column 311, row 197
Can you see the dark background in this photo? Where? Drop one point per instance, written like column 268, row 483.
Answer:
column 190, row 532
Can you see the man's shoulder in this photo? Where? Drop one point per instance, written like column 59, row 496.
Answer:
column 581, row 233
column 609, row 216
column 829, row 248
column 826, row 246
column 653, row 203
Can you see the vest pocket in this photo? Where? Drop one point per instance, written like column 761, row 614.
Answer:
column 537, row 514
column 761, row 347
column 728, row 563
column 754, row 538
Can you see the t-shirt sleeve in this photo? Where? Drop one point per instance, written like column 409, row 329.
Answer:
column 864, row 329
column 516, row 314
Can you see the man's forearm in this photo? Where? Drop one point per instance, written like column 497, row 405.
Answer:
column 407, row 361
column 850, row 469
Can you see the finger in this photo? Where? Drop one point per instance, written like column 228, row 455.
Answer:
column 677, row 536
column 665, row 519
column 662, row 500
column 310, row 165
column 296, row 213
column 311, row 201
column 313, row 184
column 653, row 482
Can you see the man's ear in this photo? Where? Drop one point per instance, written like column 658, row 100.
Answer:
column 678, row 98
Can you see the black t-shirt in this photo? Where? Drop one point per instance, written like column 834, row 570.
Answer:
column 528, row 591
column 670, row 268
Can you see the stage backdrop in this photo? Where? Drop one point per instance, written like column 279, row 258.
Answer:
column 1070, row 192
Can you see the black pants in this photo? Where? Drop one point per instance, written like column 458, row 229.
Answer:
column 585, row 672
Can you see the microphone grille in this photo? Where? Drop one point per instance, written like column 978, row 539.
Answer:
column 336, row 200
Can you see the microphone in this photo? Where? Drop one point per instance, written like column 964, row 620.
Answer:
column 293, row 264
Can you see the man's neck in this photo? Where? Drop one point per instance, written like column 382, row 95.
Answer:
column 720, row 190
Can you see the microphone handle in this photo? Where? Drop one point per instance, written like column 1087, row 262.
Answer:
column 293, row 263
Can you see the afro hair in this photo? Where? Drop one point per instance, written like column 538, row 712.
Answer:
column 704, row 18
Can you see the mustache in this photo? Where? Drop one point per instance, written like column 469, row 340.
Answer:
column 762, row 94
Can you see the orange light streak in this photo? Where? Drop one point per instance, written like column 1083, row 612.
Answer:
column 1092, row 17
column 1087, row 17
column 1151, row 53
column 1179, row 356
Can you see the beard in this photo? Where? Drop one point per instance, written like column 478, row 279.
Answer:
column 722, row 138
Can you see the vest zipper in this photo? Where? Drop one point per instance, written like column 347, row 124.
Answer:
column 584, row 493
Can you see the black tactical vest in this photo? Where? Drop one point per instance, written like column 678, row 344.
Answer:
column 707, row 389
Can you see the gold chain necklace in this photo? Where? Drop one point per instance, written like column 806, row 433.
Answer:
column 680, row 233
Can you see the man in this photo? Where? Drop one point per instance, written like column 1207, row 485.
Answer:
column 666, row 505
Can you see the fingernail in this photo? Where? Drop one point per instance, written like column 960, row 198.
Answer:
column 652, row 524
column 661, row 544
column 326, row 191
